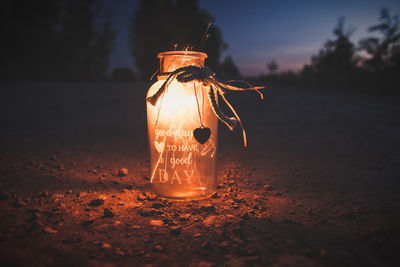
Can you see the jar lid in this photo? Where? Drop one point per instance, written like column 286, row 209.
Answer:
column 182, row 53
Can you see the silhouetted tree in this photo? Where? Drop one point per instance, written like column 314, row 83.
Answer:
column 228, row 69
column 335, row 64
column 385, row 51
column 159, row 24
column 28, row 38
column 84, row 49
column 53, row 40
column 272, row 66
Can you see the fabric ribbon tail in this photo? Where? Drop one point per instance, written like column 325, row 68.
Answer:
column 204, row 75
column 230, row 122
column 234, row 88
column 154, row 98
column 236, row 115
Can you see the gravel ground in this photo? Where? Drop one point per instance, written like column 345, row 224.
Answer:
column 318, row 184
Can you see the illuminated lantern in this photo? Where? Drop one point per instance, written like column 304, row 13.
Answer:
column 182, row 130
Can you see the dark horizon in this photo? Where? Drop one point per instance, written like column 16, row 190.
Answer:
column 260, row 31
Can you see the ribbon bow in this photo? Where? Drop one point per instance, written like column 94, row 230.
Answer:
column 207, row 77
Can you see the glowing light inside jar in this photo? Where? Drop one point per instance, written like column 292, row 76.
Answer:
column 181, row 167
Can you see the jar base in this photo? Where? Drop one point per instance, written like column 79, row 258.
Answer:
column 184, row 197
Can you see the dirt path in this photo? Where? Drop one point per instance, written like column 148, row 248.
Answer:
column 317, row 186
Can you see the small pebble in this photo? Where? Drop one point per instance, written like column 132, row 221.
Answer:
column 223, row 244
column 156, row 223
column 267, row 187
column 209, row 221
column 246, row 216
column 81, row 194
column 122, row 172
column 176, row 230
column 19, row 202
column 157, row 205
column 60, row 167
column 34, row 217
column 96, row 202
column 119, row 252
column 215, row 195
column 280, row 193
column 158, row 248
column 106, row 245
column 108, row 213
column 207, row 208
column 87, row 223
column 197, row 235
column 151, row 196
column 141, row 197
column 146, row 212
column 140, row 253
column 207, row 245
column 50, row 230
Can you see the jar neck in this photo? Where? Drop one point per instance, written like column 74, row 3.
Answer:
column 172, row 60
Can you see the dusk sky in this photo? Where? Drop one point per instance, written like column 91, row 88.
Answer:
column 256, row 32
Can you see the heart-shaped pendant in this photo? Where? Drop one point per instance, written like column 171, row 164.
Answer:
column 202, row 134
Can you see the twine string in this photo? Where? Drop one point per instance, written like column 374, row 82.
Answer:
column 207, row 78
column 198, row 105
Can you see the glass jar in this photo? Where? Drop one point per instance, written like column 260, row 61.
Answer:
column 180, row 166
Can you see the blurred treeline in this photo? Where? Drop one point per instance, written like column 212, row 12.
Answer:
column 164, row 25
column 72, row 40
column 372, row 65
column 54, row 40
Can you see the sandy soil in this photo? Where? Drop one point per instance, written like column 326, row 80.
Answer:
column 318, row 184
